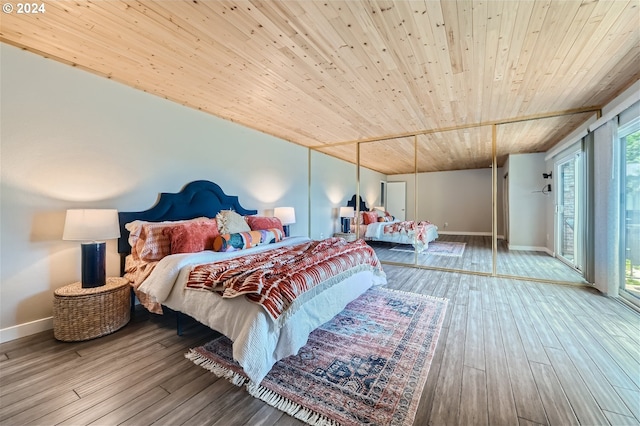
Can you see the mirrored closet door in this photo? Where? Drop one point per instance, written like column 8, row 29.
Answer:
column 535, row 192
column 456, row 198
column 384, row 215
column 482, row 219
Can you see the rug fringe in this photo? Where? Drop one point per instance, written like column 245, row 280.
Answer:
column 294, row 409
column 270, row 397
column 215, row 368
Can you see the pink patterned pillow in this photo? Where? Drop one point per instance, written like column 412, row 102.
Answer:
column 370, row 217
column 259, row 223
column 192, row 237
column 147, row 241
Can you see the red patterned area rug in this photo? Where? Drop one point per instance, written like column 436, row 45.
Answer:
column 368, row 365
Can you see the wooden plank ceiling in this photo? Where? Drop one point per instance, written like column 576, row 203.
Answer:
column 319, row 73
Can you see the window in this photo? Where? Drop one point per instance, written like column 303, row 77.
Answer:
column 569, row 208
column 629, row 135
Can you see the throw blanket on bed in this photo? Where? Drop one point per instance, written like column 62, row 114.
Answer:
column 275, row 278
column 409, row 227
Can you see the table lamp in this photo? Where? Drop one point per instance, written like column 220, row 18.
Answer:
column 287, row 216
column 346, row 213
column 92, row 227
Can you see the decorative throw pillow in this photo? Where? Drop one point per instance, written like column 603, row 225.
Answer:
column 192, row 237
column 147, row 241
column 257, row 223
column 245, row 240
column 230, row 222
column 370, row 217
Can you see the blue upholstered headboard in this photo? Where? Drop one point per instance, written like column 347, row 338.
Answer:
column 199, row 198
column 352, row 203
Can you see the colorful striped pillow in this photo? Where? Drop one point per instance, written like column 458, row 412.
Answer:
column 245, row 240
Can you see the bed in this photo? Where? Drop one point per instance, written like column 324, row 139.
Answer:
column 374, row 225
column 261, row 334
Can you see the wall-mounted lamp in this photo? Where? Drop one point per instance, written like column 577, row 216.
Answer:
column 346, row 213
column 547, row 175
column 287, row 216
column 92, row 227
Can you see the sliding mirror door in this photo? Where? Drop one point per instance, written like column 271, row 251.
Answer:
column 456, row 198
column 542, row 196
column 387, row 182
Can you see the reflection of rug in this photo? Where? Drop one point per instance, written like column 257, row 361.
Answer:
column 439, row 248
column 368, row 365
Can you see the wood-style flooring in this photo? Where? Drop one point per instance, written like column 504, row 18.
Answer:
column 478, row 257
column 510, row 353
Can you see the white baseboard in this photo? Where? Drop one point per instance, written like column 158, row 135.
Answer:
column 480, row 234
column 530, row 248
column 26, row 329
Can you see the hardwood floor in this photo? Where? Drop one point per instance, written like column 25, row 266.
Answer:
column 477, row 257
column 510, row 353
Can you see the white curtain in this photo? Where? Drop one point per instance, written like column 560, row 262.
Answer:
column 607, row 200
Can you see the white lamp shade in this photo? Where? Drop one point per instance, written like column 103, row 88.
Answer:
column 347, row 212
column 287, row 215
column 91, row 225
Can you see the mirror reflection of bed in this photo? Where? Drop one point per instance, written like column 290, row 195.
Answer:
column 419, row 242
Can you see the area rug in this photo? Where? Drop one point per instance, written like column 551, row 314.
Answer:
column 368, row 365
column 438, row 248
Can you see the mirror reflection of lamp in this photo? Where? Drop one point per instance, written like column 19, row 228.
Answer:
column 92, row 227
column 287, row 216
column 346, row 213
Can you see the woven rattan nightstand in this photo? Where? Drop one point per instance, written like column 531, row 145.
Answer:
column 86, row 313
column 348, row 237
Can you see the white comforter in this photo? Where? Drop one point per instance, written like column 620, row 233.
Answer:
column 258, row 341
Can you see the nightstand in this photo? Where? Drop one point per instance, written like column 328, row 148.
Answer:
column 348, row 237
column 86, row 313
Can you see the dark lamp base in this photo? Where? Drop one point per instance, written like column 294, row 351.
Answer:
column 346, row 225
column 93, row 265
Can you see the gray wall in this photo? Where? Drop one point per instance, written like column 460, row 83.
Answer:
column 461, row 199
column 527, row 204
column 71, row 139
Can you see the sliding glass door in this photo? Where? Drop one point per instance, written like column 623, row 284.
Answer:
column 630, row 232
column 569, row 217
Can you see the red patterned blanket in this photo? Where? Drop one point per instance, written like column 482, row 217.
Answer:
column 409, row 226
column 274, row 279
